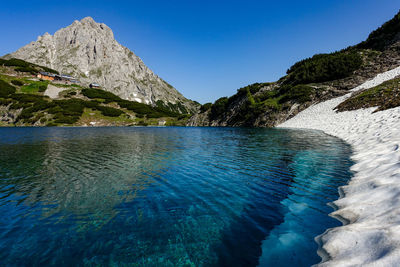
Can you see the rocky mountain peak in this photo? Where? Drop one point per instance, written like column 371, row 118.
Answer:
column 88, row 51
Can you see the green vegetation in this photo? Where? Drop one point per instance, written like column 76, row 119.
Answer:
column 24, row 66
column 205, row 107
column 300, row 93
column 218, row 108
column 324, row 67
column 17, row 82
column 383, row 96
column 383, row 36
column 34, row 87
column 138, row 108
column 6, row 89
column 100, row 94
column 255, row 103
column 109, row 111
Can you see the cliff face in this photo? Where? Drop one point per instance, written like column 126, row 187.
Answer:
column 88, row 51
column 307, row 82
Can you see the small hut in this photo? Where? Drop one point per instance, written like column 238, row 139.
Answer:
column 94, row 85
column 46, row 76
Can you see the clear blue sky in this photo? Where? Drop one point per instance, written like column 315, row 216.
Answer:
column 208, row 49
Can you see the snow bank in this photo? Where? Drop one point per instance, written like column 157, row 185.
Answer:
column 370, row 203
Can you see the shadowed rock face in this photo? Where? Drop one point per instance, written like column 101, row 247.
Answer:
column 88, row 51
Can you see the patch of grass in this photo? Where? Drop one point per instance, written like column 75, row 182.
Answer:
column 35, row 87
column 90, row 115
column 383, row 96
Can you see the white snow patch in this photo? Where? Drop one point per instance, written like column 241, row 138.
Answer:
column 371, row 201
column 137, row 99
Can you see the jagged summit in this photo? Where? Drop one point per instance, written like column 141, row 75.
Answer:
column 88, row 51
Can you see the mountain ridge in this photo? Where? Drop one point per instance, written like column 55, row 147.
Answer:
column 88, row 51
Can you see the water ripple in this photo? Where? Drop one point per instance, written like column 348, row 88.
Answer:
column 166, row 196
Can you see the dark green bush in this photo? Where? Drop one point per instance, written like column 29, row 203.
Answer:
column 27, row 98
column 15, row 62
column 324, row 67
column 62, row 119
column 383, row 36
column 205, row 107
column 101, row 94
column 109, row 111
column 300, row 93
column 5, row 102
column 218, row 108
column 24, row 66
column 253, row 88
column 91, row 104
column 6, row 89
column 26, row 69
column 42, row 88
column 159, row 111
column 17, row 82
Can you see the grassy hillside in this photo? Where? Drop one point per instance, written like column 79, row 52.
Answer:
column 23, row 103
column 306, row 81
column 383, row 96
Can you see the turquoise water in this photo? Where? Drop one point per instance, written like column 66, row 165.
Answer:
column 166, row 196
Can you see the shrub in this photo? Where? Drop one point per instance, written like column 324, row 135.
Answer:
column 205, row 107
column 91, row 104
column 300, row 93
column 24, row 66
column 383, row 36
column 5, row 102
column 15, row 62
column 324, row 67
column 109, row 111
column 218, row 108
column 101, row 94
column 26, row 69
column 42, row 88
column 6, row 89
column 17, row 82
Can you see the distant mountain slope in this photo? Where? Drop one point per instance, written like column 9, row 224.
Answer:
column 27, row 100
column 88, row 51
column 307, row 82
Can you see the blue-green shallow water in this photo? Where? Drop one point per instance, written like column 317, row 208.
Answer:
column 166, row 196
